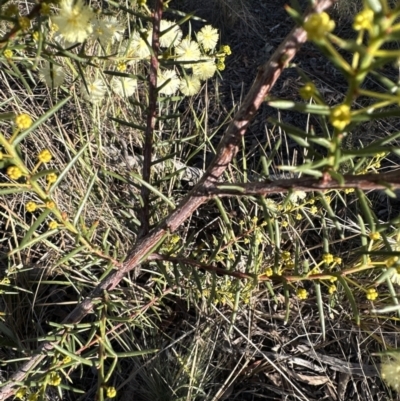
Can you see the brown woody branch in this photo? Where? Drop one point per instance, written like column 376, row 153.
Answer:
column 151, row 119
column 227, row 149
column 364, row 182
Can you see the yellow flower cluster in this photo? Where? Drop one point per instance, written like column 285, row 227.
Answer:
column 51, row 178
column 21, row 393
column 54, row 379
column 302, row 293
column 340, row 116
column 74, row 20
column 8, row 53
column 53, row 225
column 364, row 20
column 50, row 205
column 23, row 121
column 67, row 359
column 374, row 236
column 371, row 294
column 318, row 26
column 391, row 261
column 31, row 207
column 308, row 91
column 111, row 392
column 45, row 156
column 269, row 272
column 14, row 172
column 327, row 258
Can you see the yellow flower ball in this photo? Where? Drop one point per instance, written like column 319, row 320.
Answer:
column 269, row 272
column 45, row 156
column 340, row 116
column 307, row 91
column 318, row 26
column 74, row 20
column 208, row 37
column 53, row 225
column 111, row 392
column 51, row 178
column 21, row 393
column 363, row 20
column 374, row 236
column 14, row 172
column 332, row 289
column 8, row 53
column 67, row 359
column 23, row 121
column 220, row 65
column 55, row 379
column 391, row 261
column 121, row 67
column 227, row 50
column 371, row 294
column 50, row 205
column 302, row 293
column 31, row 207
column 327, row 258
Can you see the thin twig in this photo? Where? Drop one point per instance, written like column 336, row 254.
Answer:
column 390, row 180
column 227, row 149
column 151, row 120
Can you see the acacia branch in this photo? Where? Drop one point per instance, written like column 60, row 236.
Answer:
column 364, row 182
column 151, row 119
column 227, row 149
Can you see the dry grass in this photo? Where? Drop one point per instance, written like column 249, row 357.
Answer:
column 179, row 332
